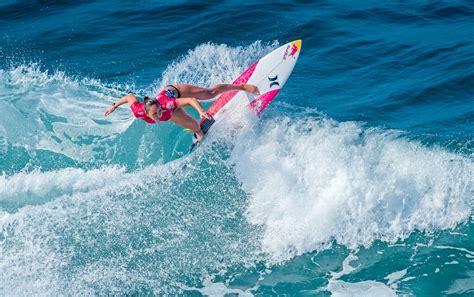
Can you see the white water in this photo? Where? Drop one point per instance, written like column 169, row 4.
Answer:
column 312, row 180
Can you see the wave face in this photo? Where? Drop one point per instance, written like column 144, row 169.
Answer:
column 357, row 180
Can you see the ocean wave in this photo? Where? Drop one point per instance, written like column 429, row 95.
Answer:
column 312, row 181
column 57, row 113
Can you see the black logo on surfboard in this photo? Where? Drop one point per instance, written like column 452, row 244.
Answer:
column 273, row 81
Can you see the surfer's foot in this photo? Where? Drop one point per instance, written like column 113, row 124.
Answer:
column 199, row 135
column 251, row 89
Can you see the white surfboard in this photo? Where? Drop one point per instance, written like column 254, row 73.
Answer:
column 269, row 74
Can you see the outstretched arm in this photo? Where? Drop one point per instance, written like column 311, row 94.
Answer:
column 130, row 98
column 190, row 101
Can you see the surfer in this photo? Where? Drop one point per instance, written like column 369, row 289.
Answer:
column 169, row 102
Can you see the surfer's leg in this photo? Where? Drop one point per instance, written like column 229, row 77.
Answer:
column 208, row 93
column 180, row 117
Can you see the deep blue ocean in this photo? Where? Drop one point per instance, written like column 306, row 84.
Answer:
column 358, row 179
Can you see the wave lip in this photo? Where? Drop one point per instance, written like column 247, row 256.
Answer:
column 51, row 111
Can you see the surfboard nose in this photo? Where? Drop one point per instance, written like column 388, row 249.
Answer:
column 298, row 43
column 295, row 48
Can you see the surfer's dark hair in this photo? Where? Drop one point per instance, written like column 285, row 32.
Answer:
column 149, row 101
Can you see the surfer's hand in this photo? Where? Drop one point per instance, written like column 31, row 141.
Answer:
column 251, row 89
column 205, row 115
column 109, row 110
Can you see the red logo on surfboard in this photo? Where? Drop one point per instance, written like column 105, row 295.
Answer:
column 291, row 50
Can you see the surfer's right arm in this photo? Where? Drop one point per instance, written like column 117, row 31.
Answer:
column 190, row 101
column 130, row 98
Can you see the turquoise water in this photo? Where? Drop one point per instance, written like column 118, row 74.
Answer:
column 356, row 181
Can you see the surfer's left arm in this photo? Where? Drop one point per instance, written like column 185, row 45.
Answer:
column 190, row 101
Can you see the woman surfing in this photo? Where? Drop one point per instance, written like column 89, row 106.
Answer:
column 168, row 104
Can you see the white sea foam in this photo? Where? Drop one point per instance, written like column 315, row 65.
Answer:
column 104, row 230
column 37, row 187
column 218, row 289
column 313, row 180
column 341, row 288
column 395, row 276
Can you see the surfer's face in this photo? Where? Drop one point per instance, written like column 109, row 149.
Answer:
column 154, row 112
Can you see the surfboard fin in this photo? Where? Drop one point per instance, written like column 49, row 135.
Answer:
column 193, row 146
